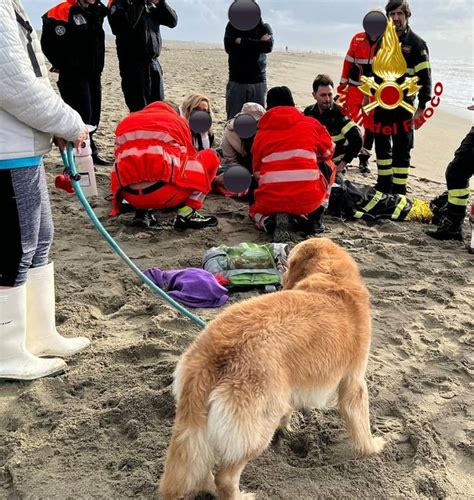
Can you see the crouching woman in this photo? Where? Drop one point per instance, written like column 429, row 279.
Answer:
column 158, row 168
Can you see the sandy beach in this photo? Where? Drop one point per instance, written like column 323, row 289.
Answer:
column 101, row 430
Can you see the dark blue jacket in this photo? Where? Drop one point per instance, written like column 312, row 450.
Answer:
column 136, row 26
column 73, row 38
column 248, row 60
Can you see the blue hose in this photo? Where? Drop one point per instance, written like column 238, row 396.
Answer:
column 68, row 160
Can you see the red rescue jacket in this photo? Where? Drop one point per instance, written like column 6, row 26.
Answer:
column 358, row 61
column 155, row 144
column 286, row 152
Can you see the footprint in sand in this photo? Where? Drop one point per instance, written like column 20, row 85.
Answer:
column 392, row 428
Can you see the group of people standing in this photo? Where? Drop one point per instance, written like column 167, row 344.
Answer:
column 73, row 40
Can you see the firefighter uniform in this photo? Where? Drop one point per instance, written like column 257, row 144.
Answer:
column 458, row 174
column 136, row 26
column 286, row 152
column 393, row 150
column 344, row 132
column 155, row 146
column 73, row 40
column 357, row 63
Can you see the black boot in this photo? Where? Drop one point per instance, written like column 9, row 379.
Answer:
column 315, row 224
column 384, row 184
column 280, row 233
column 96, row 158
column 399, row 189
column 144, row 219
column 447, row 230
column 364, row 164
column 99, row 161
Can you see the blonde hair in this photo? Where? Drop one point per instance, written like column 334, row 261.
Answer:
column 192, row 102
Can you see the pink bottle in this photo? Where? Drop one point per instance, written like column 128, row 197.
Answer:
column 85, row 167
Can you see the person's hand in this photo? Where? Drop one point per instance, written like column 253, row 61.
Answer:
column 341, row 167
column 266, row 37
column 83, row 137
column 416, row 121
column 61, row 143
column 238, row 40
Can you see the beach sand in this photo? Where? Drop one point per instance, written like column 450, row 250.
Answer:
column 101, row 430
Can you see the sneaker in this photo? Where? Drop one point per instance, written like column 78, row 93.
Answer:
column 194, row 220
column 280, row 233
column 144, row 219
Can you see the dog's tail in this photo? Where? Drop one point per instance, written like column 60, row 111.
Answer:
column 190, row 459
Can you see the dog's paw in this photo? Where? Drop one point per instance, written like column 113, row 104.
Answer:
column 378, row 444
column 247, row 496
column 371, row 447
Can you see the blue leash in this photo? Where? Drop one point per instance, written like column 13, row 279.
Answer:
column 68, row 160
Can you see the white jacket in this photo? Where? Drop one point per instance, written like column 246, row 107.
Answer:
column 30, row 111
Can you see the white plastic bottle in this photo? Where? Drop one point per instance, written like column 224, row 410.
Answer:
column 85, row 167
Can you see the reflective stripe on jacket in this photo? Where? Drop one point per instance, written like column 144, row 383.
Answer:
column 155, row 144
column 358, row 60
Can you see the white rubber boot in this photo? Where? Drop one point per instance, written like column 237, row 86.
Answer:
column 42, row 338
column 15, row 361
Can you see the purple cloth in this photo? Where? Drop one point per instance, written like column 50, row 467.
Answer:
column 191, row 287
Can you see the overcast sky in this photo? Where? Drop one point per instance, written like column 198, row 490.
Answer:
column 326, row 25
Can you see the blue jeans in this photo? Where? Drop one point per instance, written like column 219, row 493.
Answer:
column 237, row 94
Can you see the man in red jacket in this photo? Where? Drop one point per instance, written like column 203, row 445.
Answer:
column 291, row 163
column 157, row 166
column 357, row 63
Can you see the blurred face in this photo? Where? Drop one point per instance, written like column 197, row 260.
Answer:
column 86, row 3
column 399, row 19
column 324, row 97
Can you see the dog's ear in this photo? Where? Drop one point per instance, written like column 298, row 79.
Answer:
column 297, row 267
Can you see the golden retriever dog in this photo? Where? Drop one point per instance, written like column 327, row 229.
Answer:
column 264, row 357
